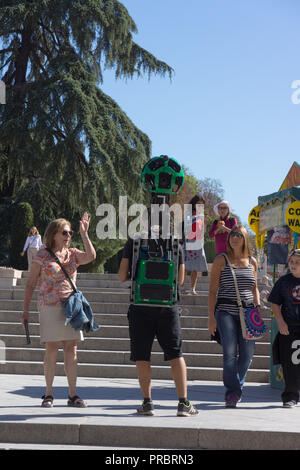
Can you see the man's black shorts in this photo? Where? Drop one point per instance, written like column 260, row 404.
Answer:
column 146, row 323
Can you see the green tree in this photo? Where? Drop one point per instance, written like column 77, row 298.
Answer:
column 22, row 221
column 65, row 146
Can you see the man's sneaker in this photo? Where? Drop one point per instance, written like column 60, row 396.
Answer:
column 231, row 401
column 186, row 409
column 289, row 404
column 146, row 409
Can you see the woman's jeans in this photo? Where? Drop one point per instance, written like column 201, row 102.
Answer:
column 237, row 353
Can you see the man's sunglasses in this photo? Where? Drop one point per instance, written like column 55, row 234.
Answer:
column 67, row 232
column 236, row 234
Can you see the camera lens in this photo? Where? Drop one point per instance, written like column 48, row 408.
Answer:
column 165, row 180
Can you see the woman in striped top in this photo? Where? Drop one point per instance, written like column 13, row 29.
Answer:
column 224, row 311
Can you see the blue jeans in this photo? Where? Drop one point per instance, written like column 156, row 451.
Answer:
column 237, row 353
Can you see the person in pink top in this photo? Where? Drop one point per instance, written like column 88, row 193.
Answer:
column 221, row 227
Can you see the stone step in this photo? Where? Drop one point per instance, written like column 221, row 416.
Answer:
column 113, row 284
column 187, row 321
column 128, row 371
column 123, row 357
column 88, row 276
column 110, row 420
column 106, row 353
column 110, row 331
column 111, row 277
column 113, row 295
column 107, row 308
column 100, row 307
column 123, row 344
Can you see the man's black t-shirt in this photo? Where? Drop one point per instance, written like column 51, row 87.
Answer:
column 286, row 293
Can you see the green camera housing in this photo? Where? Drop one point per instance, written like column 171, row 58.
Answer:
column 155, row 281
column 154, row 278
column 162, row 175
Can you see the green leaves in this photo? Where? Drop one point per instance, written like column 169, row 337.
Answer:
column 66, row 146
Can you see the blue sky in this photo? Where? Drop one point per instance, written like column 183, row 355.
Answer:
column 228, row 112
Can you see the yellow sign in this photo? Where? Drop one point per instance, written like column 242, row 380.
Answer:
column 253, row 219
column 292, row 216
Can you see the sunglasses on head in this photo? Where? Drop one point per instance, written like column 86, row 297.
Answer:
column 67, row 232
column 294, row 252
column 236, row 234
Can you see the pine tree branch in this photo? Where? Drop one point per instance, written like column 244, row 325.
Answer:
column 3, row 51
column 45, row 28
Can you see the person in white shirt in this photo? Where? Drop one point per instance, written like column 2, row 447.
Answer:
column 32, row 245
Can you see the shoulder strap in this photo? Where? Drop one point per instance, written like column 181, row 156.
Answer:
column 63, row 269
column 239, row 302
column 225, row 256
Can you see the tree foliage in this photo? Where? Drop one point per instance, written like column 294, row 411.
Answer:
column 22, row 221
column 65, row 146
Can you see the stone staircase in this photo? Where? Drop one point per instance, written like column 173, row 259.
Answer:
column 105, row 353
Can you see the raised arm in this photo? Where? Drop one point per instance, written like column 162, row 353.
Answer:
column 89, row 254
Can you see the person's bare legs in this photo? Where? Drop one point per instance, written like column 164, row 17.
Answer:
column 50, row 365
column 179, row 374
column 194, row 276
column 144, row 376
column 70, row 362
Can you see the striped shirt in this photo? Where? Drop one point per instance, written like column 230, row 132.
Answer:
column 245, row 280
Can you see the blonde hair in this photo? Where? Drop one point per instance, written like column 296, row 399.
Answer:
column 33, row 231
column 246, row 251
column 52, row 230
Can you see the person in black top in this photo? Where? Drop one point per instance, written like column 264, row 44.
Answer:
column 146, row 323
column 285, row 302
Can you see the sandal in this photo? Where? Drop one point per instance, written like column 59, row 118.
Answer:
column 47, row 401
column 76, row 402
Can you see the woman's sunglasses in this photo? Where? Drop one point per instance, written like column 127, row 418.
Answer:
column 236, row 234
column 67, row 232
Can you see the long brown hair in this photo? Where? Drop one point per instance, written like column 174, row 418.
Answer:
column 52, row 230
column 246, row 252
column 33, row 231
